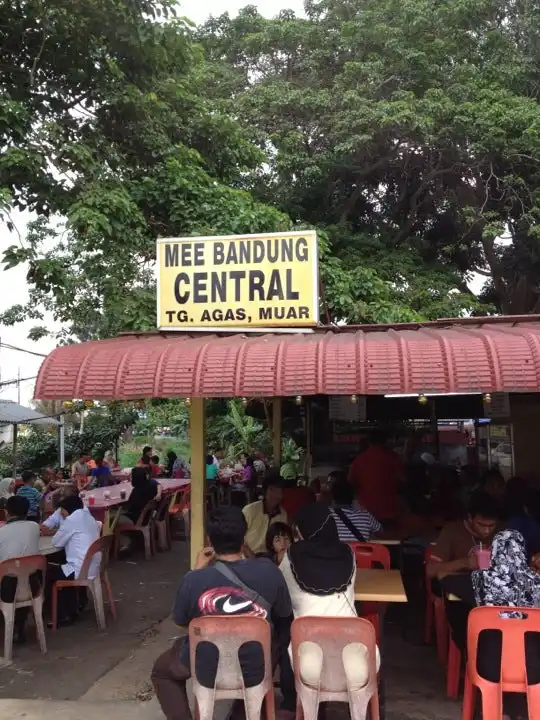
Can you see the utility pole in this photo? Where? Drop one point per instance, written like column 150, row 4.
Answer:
column 19, row 385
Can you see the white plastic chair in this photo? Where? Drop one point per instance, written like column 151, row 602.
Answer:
column 22, row 568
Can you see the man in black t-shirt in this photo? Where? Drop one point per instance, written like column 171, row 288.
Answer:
column 207, row 591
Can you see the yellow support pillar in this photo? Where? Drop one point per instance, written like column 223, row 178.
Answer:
column 198, row 476
column 276, row 431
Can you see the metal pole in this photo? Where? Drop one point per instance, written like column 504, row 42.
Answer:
column 62, row 433
column 276, row 431
column 14, row 450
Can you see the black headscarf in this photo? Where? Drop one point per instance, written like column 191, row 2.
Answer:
column 321, row 564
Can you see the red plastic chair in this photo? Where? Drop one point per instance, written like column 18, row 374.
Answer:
column 180, row 507
column 435, row 617
column 22, row 568
column 95, row 585
column 228, row 634
column 453, row 668
column 513, row 669
column 335, row 636
column 368, row 556
column 144, row 526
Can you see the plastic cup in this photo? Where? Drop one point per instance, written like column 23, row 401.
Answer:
column 91, row 500
column 123, row 494
column 483, row 558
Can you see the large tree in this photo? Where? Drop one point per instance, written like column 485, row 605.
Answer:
column 410, row 131
column 108, row 139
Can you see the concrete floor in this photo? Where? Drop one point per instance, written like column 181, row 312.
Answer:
column 108, row 673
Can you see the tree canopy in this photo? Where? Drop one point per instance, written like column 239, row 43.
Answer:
column 407, row 133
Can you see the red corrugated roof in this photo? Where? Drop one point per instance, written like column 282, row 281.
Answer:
column 481, row 357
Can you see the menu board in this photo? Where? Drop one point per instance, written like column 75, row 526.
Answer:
column 342, row 408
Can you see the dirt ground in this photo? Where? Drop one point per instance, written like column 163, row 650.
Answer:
column 79, row 655
column 84, row 664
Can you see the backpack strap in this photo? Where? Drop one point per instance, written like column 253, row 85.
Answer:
column 253, row 595
column 349, row 524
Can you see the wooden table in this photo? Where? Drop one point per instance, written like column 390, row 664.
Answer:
column 379, row 586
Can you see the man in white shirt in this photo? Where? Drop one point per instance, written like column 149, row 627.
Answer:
column 75, row 535
column 19, row 537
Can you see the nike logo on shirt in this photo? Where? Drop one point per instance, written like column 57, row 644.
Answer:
column 229, row 607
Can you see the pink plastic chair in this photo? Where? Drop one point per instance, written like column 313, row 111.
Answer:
column 371, row 555
column 228, row 634
column 95, row 585
column 513, row 668
column 333, row 635
column 22, row 568
column 144, row 526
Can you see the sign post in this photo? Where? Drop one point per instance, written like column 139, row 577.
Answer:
column 238, row 282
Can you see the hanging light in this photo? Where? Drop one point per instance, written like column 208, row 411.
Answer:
column 88, row 403
column 245, row 401
column 354, row 399
column 422, row 399
column 487, row 398
column 68, row 404
column 188, row 401
column 298, row 400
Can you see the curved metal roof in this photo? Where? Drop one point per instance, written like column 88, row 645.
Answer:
column 456, row 358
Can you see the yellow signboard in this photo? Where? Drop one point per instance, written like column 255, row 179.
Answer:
column 238, row 281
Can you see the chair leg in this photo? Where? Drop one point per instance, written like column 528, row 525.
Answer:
column 468, row 699
column 116, row 545
column 270, row 704
column 374, row 707
column 54, row 607
column 453, row 670
column 8, row 610
column 110, row 596
column 37, row 607
column 97, row 596
column 428, row 629
column 147, row 536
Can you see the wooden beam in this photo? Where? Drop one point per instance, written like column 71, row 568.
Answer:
column 276, row 431
column 198, row 476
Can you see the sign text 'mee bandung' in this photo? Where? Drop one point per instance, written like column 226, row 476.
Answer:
column 243, row 281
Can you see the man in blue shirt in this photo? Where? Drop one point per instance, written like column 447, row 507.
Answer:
column 28, row 491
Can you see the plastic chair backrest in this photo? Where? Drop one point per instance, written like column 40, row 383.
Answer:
column 103, row 545
column 228, row 634
column 182, row 498
column 332, row 635
column 22, row 568
column 427, row 558
column 513, row 667
column 370, row 555
column 162, row 509
column 146, row 513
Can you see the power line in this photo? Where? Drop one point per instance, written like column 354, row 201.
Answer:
column 28, row 352
column 17, row 380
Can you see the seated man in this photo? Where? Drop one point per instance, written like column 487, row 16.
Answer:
column 19, row 537
column 101, row 475
column 353, row 524
column 262, row 513
column 211, row 590
column 75, row 535
column 32, row 494
column 453, row 557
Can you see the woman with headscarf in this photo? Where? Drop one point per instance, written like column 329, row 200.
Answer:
column 320, row 572
column 508, row 581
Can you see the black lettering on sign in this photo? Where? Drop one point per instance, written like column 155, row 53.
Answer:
column 256, row 285
column 219, row 254
column 200, row 294
column 232, row 256
column 303, row 312
column 186, row 254
column 181, row 298
column 265, row 313
column 171, row 255
column 275, row 288
column 218, row 287
column 240, row 314
column 258, row 251
column 198, row 253
column 237, row 275
column 290, row 294
column 205, row 317
column 170, row 315
column 302, row 250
